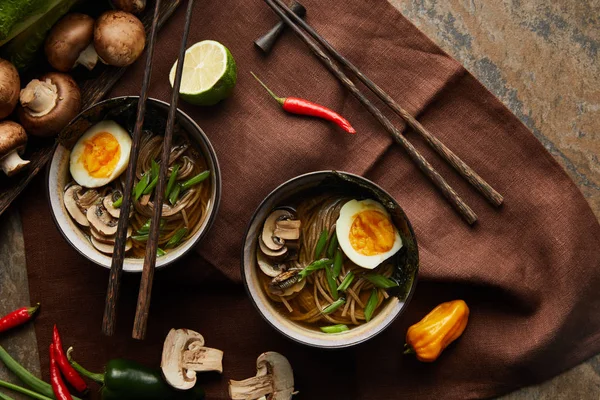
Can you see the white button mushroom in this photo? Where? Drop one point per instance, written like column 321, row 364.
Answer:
column 49, row 104
column 70, row 43
column 119, row 38
column 10, row 85
column 274, row 380
column 131, row 6
column 12, row 143
column 184, row 354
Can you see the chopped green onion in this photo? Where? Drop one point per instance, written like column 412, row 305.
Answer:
column 140, row 238
column 321, row 243
column 141, row 186
column 151, row 186
column 337, row 263
column 144, row 229
column 174, row 196
column 314, row 266
column 380, row 281
column 331, row 283
column 176, row 238
column 346, row 282
column 371, row 304
column 335, row 328
column 172, row 179
column 334, row 306
column 333, row 244
column 195, row 180
column 118, row 203
column 154, row 172
column 160, row 252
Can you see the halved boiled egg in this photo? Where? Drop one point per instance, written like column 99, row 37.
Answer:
column 366, row 233
column 100, row 155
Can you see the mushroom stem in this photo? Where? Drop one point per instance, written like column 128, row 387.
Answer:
column 39, row 96
column 12, row 163
column 199, row 358
column 251, row 388
column 88, row 57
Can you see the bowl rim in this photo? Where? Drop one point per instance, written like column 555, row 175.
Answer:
column 333, row 346
column 218, row 181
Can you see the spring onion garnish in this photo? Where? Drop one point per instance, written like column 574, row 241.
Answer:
column 335, row 328
column 153, row 178
column 333, row 244
column 321, row 243
column 314, row 266
column 160, row 252
column 141, row 186
column 346, row 282
column 174, row 195
column 195, row 180
column 381, row 281
column 337, row 263
column 144, row 229
column 140, row 238
column 334, row 306
column 371, row 304
column 331, row 283
column 172, row 179
column 118, row 203
column 176, row 238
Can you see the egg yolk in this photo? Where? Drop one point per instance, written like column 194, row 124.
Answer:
column 372, row 233
column 101, row 155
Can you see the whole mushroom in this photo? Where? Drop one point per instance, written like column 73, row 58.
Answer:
column 130, row 6
column 10, row 85
column 48, row 104
column 119, row 38
column 71, row 43
column 184, row 354
column 274, row 380
column 12, row 143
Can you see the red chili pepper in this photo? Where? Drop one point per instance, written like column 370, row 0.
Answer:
column 65, row 367
column 296, row 105
column 17, row 317
column 58, row 385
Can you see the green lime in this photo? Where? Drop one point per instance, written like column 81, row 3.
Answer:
column 209, row 74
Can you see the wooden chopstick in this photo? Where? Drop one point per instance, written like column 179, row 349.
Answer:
column 143, row 305
column 448, row 192
column 116, row 268
column 459, row 165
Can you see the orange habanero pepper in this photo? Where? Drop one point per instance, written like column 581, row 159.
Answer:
column 443, row 325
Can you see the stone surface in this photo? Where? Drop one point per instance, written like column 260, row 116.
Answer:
column 20, row 343
column 540, row 58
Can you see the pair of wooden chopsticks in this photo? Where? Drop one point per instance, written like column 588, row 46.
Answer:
column 112, row 295
column 301, row 28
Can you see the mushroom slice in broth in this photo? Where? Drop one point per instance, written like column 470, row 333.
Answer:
column 70, row 199
column 101, row 220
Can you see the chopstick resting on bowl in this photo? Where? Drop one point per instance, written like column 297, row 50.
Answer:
column 300, row 27
column 143, row 306
column 116, row 268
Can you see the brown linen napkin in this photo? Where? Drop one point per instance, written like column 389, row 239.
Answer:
column 530, row 270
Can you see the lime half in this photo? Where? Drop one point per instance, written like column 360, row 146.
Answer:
column 209, row 73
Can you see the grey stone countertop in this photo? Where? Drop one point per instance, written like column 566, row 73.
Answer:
column 540, row 58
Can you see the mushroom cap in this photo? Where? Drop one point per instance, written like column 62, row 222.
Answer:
column 131, row 6
column 67, row 39
column 119, row 38
column 67, row 107
column 10, row 85
column 12, row 138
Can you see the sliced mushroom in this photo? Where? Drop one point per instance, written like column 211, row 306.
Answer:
column 287, row 229
column 268, row 237
column 287, row 283
column 70, row 199
column 275, row 254
column 268, row 266
column 101, row 220
column 274, row 379
column 184, row 354
column 109, row 248
column 107, row 239
column 108, row 203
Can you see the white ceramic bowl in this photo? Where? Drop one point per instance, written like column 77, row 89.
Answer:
column 58, row 177
column 407, row 259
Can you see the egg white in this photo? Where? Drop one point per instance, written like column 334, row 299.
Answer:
column 78, row 171
column 348, row 214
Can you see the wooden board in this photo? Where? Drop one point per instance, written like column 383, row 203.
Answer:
column 39, row 152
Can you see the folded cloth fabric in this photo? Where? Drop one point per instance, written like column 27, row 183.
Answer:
column 530, row 271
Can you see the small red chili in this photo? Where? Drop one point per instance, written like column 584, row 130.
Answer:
column 65, row 367
column 299, row 106
column 18, row 317
column 58, row 385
